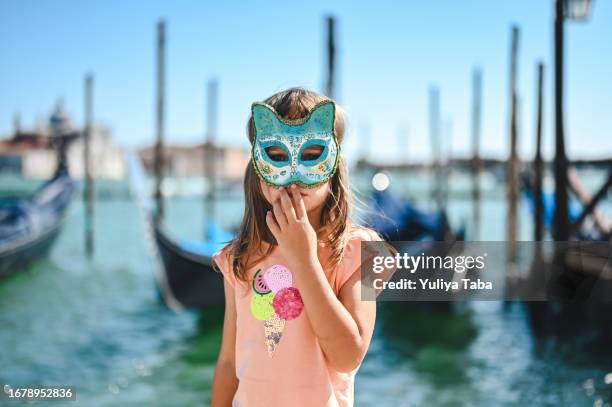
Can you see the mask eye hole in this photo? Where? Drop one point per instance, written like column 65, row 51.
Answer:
column 311, row 153
column 277, row 154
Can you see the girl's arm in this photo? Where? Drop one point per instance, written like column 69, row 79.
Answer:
column 343, row 325
column 225, row 382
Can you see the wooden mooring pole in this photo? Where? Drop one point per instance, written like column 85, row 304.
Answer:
column 330, row 85
column 403, row 151
column 447, row 161
column 561, row 220
column 538, row 232
column 476, row 160
column 210, row 158
column 159, row 146
column 434, row 136
column 512, row 167
column 88, row 190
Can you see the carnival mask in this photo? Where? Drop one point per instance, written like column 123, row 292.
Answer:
column 292, row 138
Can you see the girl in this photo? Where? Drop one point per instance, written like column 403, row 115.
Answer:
column 295, row 329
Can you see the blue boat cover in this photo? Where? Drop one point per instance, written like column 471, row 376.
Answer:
column 217, row 238
column 401, row 220
column 25, row 218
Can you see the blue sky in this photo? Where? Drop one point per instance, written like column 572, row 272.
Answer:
column 389, row 54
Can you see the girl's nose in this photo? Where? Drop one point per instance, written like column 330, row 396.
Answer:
column 291, row 190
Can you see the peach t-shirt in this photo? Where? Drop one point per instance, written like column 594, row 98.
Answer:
column 279, row 361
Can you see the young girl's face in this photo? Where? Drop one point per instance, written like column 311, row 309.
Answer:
column 313, row 197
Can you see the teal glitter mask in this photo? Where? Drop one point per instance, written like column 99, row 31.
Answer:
column 293, row 137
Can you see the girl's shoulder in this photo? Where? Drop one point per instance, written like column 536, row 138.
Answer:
column 224, row 254
column 352, row 258
column 358, row 233
column 223, row 260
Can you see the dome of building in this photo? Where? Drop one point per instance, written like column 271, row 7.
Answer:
column 60, row 122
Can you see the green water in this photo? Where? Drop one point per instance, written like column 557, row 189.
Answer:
column 98, row 325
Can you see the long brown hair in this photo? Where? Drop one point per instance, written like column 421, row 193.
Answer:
column 246, row 247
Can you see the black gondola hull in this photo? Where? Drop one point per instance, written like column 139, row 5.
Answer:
column 190, row 277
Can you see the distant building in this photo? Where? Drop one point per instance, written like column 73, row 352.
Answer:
column 107, row 159
column 34, row 154
column 189, row 160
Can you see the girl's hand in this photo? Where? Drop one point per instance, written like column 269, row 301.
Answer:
column 288, row 222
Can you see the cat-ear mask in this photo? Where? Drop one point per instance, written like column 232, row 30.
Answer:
column 320, row 118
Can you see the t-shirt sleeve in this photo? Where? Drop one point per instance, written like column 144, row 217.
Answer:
column 224, row 265
column 352, row 261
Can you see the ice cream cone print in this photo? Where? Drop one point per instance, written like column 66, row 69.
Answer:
column 275, row 301
column 273, row 329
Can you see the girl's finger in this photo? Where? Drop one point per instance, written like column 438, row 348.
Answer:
column 288, row 206
column 302, row 207
column 272, row 225
column 279, row 215
column 296, row 198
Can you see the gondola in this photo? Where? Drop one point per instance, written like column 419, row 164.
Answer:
column 581, row 285
column 548, row 204
column 398, row 220
column 415, row 232
column 189, row 279
column 184, row 268
column 29, row 225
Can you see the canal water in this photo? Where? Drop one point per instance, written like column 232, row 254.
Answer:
column 97, row 324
